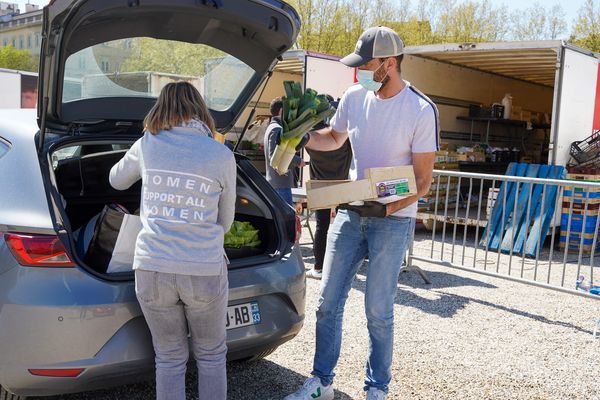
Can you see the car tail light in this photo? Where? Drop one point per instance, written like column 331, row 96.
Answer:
column 38, row 250
column 58, row 373
column 298, row 228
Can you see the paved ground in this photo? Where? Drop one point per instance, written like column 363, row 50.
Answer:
column 466, row 336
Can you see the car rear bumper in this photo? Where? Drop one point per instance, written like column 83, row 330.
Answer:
column 62, row 336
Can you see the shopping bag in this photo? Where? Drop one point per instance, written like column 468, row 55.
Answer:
column 122, row 256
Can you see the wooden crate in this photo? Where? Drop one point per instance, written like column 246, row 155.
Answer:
column 583, row 177
column 491, row 200
column 575, row 245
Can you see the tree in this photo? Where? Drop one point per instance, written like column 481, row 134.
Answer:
column 539, row 23
column 22, row 60
column 168, row 57
column 333, row 26
column 586, row 32
column 472, row 21
column 557, row 25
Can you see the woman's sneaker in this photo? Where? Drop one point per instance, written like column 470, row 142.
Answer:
column 314, row 273
column 312, row 389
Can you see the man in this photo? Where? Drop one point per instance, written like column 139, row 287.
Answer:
column 28, row 91
column 281, row 183
column 388, row 123
column 326, row 165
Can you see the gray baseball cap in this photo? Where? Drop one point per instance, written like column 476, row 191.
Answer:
column 376, row 42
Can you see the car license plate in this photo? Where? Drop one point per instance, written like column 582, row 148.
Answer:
column 242, row 315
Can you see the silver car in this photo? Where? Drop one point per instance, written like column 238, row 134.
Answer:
column 67, row 324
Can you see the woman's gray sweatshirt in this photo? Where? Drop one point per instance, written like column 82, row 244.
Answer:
column 188, row 199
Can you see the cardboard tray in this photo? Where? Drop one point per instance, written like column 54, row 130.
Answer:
column 323, row 194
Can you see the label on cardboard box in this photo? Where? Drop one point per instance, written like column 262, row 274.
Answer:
column 392, row 187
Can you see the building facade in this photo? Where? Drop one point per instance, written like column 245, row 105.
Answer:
column 21, row 30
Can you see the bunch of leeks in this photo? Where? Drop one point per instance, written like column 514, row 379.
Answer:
column 301, row 111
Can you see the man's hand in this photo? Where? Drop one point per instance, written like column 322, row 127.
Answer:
column 303, row 141
column 423, row 167
column 368, row 209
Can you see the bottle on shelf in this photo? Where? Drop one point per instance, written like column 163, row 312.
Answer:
column 507, row 103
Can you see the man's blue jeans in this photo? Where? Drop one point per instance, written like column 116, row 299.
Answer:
column 349, row 240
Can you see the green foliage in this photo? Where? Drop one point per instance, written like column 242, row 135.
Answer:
column 22, row 60
column 586, row 32
column 168, row 57
column 333, row 26
column 241, row 234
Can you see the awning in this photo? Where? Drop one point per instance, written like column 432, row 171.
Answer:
column 535, row 62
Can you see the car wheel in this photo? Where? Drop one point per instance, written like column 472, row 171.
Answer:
column 4, row 395
column 255, row 357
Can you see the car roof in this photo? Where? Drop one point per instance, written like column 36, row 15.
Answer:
column 20, row 122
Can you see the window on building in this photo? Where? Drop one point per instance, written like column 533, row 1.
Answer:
column 21, row 42
column 5, row 42
column 14, row 43
column 105, row 65
column 28, row 41
column 37, row 40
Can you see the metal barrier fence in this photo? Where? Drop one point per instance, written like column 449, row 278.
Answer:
column 542, row 232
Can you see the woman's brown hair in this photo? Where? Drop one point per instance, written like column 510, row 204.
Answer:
column 178, row 102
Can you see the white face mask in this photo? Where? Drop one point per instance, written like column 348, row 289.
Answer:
column 367, row 79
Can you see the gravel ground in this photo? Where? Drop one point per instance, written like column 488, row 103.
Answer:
column 465, row 336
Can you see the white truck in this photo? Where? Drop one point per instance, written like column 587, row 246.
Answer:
column 145, row 82
column 18, row 89
column 554, row 86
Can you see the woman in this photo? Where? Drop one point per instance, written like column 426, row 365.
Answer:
column 188, row 199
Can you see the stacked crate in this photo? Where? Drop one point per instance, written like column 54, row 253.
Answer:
column 574, row 200
column 444, row 160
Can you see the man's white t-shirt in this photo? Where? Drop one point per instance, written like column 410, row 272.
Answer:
column 386, row 132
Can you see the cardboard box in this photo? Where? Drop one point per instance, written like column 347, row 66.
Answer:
column 441, row 156
column 476, row 156
column 452, row 157
column 461, row 157
column 516, row 113
column 380, row 184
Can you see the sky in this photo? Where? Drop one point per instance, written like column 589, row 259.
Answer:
column 570, row 7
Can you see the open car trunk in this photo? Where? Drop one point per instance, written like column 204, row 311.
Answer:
column 81, row 175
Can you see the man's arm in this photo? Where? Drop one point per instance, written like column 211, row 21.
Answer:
column 423, row 166
column 326, row 139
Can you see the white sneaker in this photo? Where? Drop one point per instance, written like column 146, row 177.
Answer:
column 312, row 389
column 314, row 274
column 376, row 394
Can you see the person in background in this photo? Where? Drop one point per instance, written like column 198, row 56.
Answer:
column 29, row 91
column 389, row 123
column 282, row 184
column 326, row 165
column 189, row 191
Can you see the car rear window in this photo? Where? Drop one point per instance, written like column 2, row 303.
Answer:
column 4, row 147
column 78, row 151
column 141, row 66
